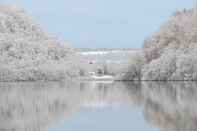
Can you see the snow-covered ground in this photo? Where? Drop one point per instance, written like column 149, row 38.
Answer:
column 103, row 77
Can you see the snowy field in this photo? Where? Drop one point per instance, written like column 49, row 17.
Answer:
column 107, row 55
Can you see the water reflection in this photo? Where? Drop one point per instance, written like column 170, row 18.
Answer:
column 171, row 106
column 31, row 106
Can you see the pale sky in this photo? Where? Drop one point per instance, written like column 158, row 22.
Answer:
column 102, row 23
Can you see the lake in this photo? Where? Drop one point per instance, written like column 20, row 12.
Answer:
column 98, row 106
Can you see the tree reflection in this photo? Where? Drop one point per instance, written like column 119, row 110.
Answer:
column 31, row 106
column 171, row 106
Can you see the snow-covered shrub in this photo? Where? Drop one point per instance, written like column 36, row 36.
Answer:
column 29, row 53
column 134, row 70
column 160, row 69
column 186, row 67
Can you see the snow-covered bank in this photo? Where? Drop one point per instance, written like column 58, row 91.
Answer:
column 102, row 77
column 29, row 53
column 96, row 77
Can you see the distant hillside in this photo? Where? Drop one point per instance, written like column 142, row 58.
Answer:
column 29, row 53
column 103, row 49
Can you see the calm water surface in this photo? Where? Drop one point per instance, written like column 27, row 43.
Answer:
column 98, row 106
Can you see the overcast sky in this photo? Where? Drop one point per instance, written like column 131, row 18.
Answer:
column 102, row 23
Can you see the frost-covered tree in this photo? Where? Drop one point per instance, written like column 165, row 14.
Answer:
column 170, row 52
column 27, row 52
